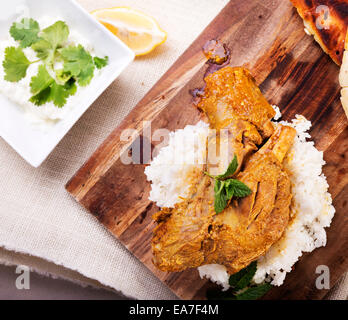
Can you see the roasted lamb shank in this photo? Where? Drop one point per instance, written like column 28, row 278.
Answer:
column 192, row 234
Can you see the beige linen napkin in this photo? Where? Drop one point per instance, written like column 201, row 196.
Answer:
column 40, row 224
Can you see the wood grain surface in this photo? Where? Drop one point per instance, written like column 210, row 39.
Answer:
column 266, row 36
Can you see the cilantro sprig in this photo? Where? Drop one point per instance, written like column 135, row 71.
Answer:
column 51, row 48
column 242, row 287
column 226, row 188
column 25, row 32
column 78, row 63
column 45, row 89
column 15, row 64
column 52, row 38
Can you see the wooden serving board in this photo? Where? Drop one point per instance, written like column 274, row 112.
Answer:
column 267, row 36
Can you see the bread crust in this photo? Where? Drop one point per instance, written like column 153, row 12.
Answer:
column 327, row 24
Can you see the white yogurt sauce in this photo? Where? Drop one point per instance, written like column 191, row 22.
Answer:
column 19, row 92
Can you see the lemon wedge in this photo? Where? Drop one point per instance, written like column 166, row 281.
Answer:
column 137, row 30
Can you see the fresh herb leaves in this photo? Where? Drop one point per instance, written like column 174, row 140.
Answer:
column 44, row 50
column 57, row 34
column 78, row 63
column 50, row 85
column 226, row 188
column 101, row 63
column 254, row 293
column 241, row 286
column 41, row 81
column 221, row 197
column 26, row 32
column 229, row 172
column 241, row 279
column 52, row 39
column 45, row 89
column 15, row 64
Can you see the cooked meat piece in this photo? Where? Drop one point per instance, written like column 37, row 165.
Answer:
column 231, row 94
column 235, row 107
column 247, row 228
column 192, row 234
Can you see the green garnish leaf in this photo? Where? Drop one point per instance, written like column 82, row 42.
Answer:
column 53, row 38
column 225, row 189
column 15, row 64
column 57, row 34
column 218, row 294
column 51, row 46
column 251, row 293
column 254, row 293
column 41, row 98
column 45, row 89
column 86, row 76
column 26, row 32
column 236, row 188
column 44, row 50
column 60, row 94
column 41, row 81
column 241, row 287
column 62, row 76
column 79, row 63
column 230, row 170
column 242, row 279
column 221, row 198
column 101, row 63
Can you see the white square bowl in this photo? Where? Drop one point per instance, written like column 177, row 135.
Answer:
column 35, row 145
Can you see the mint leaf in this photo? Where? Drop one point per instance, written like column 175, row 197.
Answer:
column 15, row 64
column 251, row 293
column 237, row 188
column 79, row 63
column 230, row 170
column 26, row 32
column 242, row 279
column 225, row 189
column 218, row 294
column 221, row 200
column 229, row 189
column 101, row 63
column 254, row 293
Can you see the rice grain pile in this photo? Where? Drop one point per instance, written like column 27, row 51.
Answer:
column 311, row 208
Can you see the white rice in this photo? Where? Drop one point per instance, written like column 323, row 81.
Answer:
column 175, row 164
column 311, row 206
